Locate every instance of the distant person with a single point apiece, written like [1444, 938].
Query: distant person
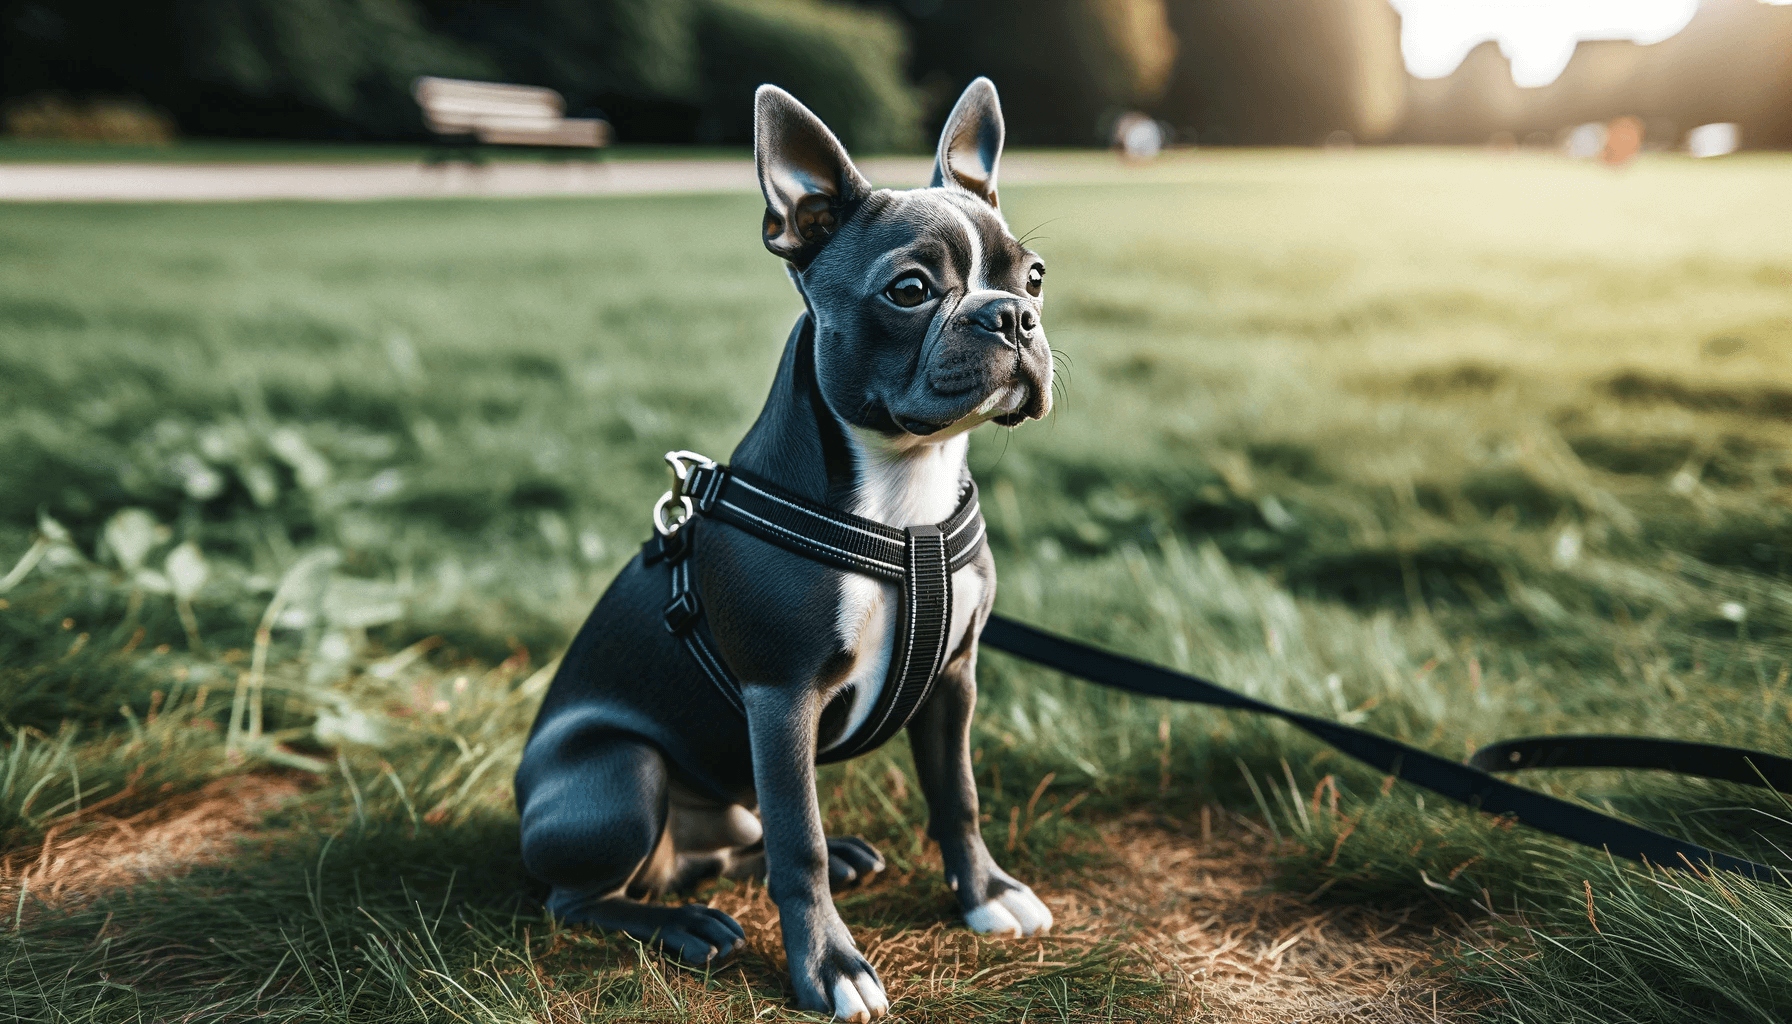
[1623, 141]
[1138, 137]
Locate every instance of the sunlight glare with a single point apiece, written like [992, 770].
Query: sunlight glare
[1537, 36]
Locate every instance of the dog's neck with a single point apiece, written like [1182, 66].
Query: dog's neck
[903, 485]
[799, 443]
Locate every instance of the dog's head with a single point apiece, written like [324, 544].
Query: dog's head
[926, 309]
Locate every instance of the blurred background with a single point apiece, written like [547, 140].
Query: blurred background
[1422, 364]
[884, 72]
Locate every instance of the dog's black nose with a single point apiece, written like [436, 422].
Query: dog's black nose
[1010, 319]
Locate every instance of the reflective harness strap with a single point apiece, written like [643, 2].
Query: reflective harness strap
[824, 534]
[921, 559]
[681, 618]
[926, 626]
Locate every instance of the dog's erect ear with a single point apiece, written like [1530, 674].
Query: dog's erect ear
[808, 180]
[971, 144]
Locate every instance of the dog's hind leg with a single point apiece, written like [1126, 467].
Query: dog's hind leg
[851, 862]
[712, 839]
[594, 826]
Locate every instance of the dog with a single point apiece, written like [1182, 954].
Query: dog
[922, 321]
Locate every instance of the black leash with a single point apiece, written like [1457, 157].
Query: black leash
[1468, 784]
[922, 559]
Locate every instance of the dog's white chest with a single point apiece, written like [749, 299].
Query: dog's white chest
[901, 489]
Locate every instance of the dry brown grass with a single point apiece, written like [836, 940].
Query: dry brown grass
[1196, 900]
[91, 851]
[1188, 904]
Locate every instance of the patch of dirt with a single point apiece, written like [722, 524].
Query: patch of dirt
[1244, 953]
[85, 854]
[1191, 907]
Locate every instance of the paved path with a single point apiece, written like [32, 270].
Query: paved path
[359, 181]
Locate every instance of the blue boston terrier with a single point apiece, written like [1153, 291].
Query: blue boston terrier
[826, 588]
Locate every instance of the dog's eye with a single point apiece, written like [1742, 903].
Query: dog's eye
[1035, 280]
[909, 291]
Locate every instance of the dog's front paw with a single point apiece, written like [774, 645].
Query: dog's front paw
[851, 860]
[838, 979]
[858, 995]
[1012, 909]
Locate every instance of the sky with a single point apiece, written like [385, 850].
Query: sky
[1537, 36]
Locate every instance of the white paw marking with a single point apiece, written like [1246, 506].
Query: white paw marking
[847, 1004]
[1015, 912]
[859, 998]
[1034, 916]
[992, 919]
[873, 993]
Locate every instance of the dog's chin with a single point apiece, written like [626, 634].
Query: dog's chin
[1008, 406]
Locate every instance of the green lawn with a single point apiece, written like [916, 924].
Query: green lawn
[1454, 446]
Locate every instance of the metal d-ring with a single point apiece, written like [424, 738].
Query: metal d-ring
[667, 528]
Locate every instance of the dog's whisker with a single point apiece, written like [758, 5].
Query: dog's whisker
[1007, 435]
[1033, 235]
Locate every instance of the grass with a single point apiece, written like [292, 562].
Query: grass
[1452, 446]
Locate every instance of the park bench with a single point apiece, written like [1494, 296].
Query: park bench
[465, 115]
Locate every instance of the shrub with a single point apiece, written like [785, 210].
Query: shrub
[662, 70]
[844, 64]
[1064, 67]
[127, 122]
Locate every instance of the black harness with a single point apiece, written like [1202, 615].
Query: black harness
[921, 559]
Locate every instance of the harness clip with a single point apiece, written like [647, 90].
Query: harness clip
[667, 527]
[683, 464]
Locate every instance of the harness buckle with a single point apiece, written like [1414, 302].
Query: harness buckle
[682, 612]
